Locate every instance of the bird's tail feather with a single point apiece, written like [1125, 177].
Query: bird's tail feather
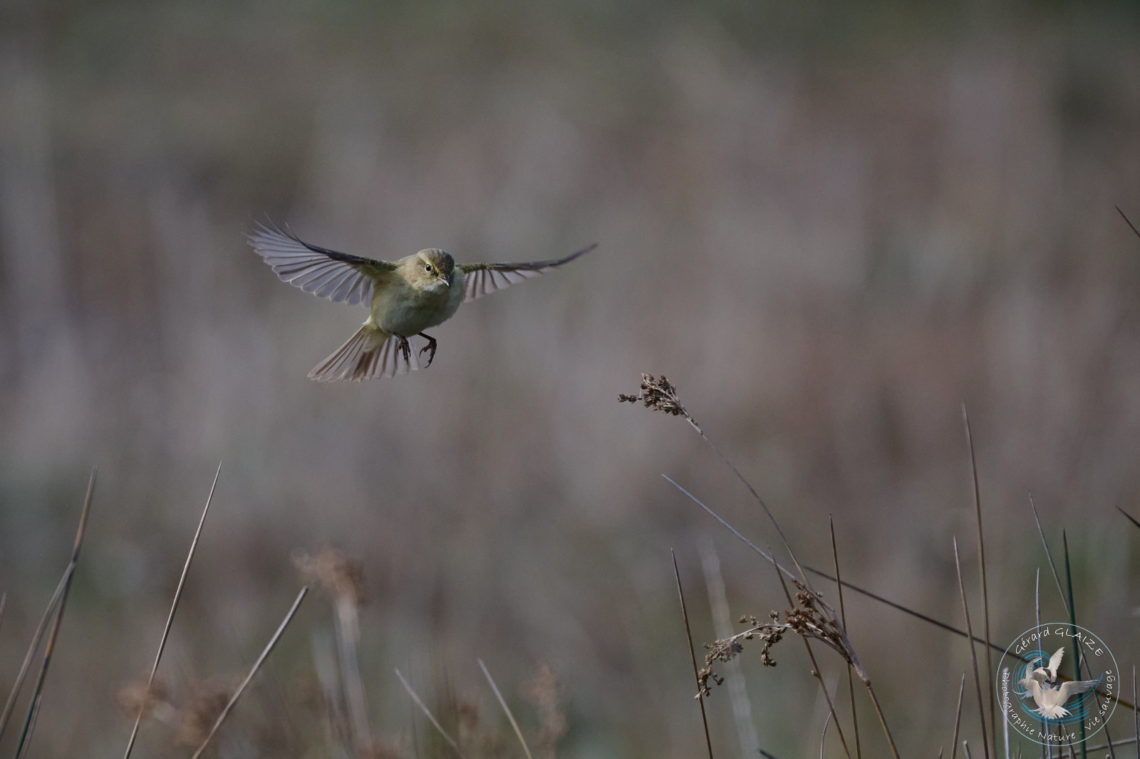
[1051, 711]
[371, 353]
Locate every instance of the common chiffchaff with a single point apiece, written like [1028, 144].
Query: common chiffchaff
[407, 296]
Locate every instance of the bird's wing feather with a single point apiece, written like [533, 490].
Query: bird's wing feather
[1073, 687]
[1055, 662]
[341, 277]
[481, 279]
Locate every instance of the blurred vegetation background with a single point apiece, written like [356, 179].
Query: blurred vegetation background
[829, 225]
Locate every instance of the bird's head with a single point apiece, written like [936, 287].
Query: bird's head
[432, 269]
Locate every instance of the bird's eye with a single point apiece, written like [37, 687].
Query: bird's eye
[427, 268]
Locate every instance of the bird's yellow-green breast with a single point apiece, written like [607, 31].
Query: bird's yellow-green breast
[426, 290]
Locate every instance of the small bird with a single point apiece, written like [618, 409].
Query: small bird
[406, 296]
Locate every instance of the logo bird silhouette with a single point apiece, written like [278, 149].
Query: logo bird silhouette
[1050, 697]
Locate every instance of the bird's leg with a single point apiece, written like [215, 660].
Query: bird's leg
[405, 349]
[429, 348]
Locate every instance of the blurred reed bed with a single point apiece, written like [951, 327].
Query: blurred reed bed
[330, 715]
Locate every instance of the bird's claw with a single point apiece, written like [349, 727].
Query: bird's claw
[405, 350]
[428, 349]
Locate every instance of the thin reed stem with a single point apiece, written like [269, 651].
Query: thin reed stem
[1073, 621]
[1118, 744]
[1129, 517]
[170, 615]
[49, 649]
[33, 646]
[1131, 226]
[431, 717]
[973, 652]
[692, 653]
[985, 588]
[506, 709]
[816, 673]
[823, 736]
[1049, 554]
[958, 718]
[253, 671]
[843, 620]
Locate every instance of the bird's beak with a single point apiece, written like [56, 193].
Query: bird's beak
[447, 280]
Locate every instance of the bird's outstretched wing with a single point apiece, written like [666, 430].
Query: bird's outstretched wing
[481, 279]
[325, 273]
[1074, 687]
[1032, 677]
[1055, 663]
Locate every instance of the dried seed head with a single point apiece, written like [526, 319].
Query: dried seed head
[657, 394]
[809, 618]
[206, 703]
[336, 574]
[133, 698]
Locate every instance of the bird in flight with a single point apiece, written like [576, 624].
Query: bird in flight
[405, 297]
